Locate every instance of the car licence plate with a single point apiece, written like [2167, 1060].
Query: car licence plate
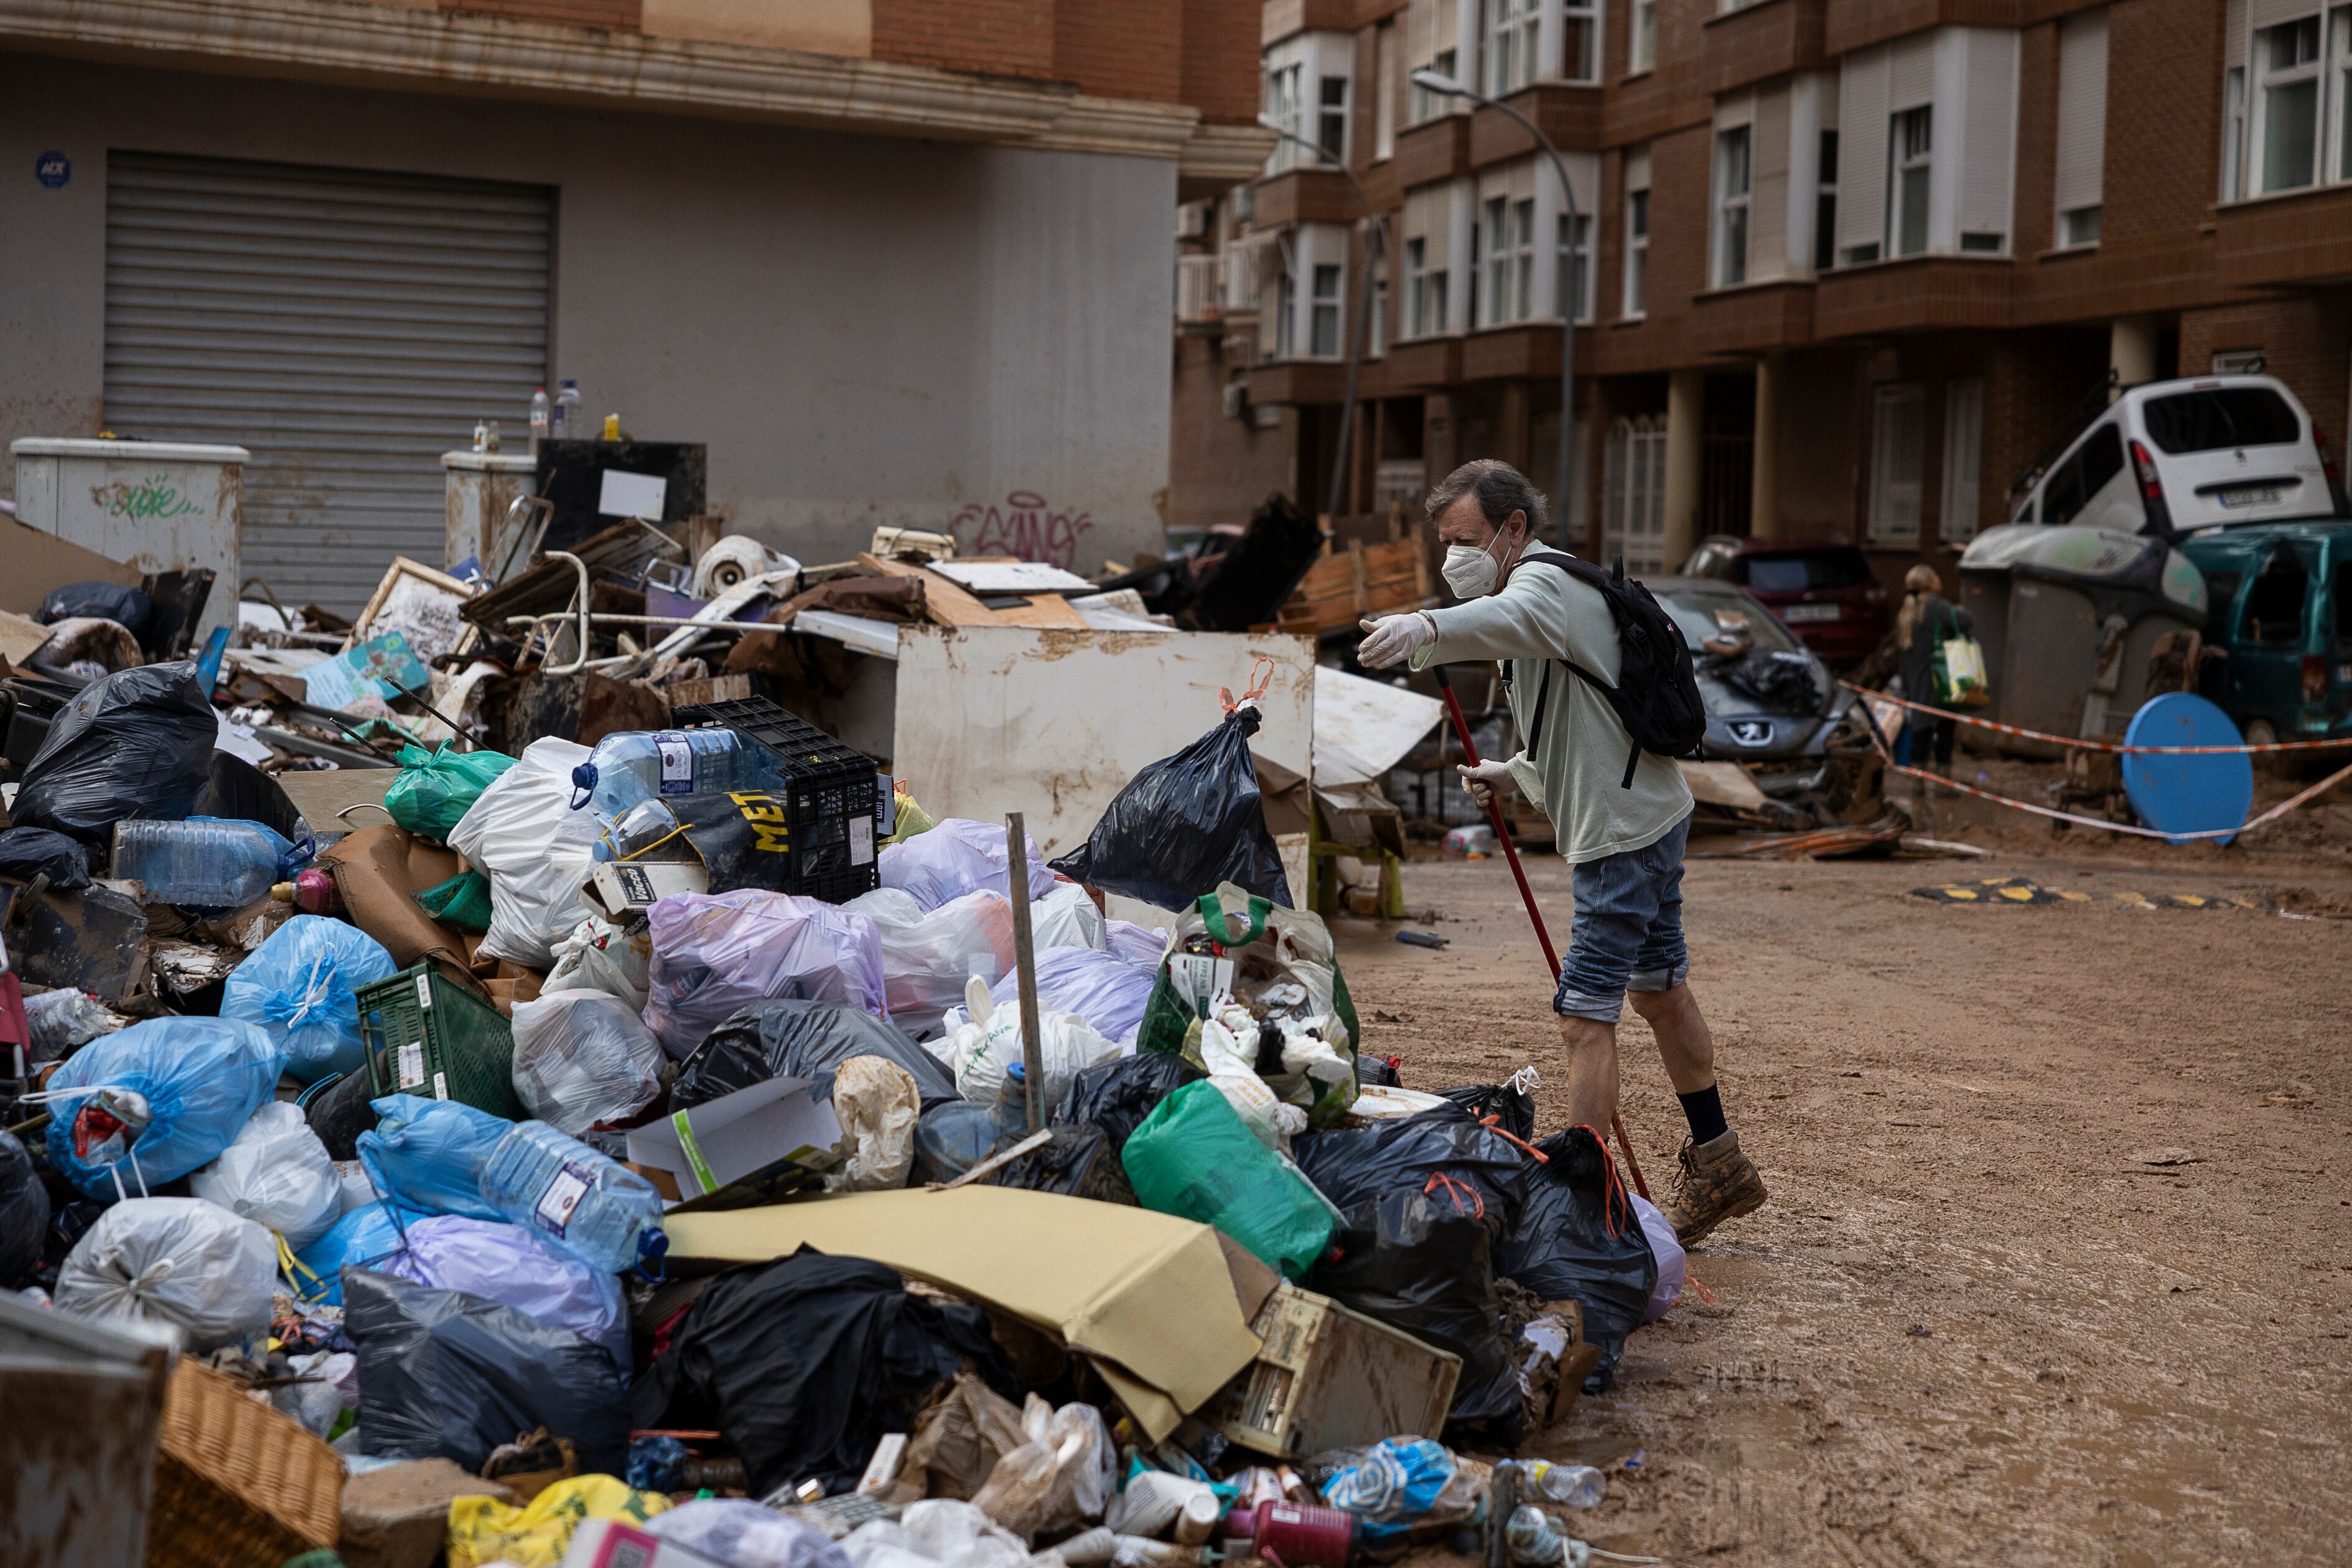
[2248, 495]
[1810, 612]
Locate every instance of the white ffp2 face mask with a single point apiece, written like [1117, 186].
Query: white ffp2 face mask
[1469, 571]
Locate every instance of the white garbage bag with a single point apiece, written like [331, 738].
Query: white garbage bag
[581, 1057]
[523, 835]
[984, 1038]
[600, 956]
[278, 1174]
[1065, 917]
[929, 955]
[877, 1104]
[1673, 1265]
[746, 1534]
[358, 1188]
[178, 1261]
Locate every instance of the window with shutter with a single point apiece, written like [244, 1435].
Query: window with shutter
[2081, 126]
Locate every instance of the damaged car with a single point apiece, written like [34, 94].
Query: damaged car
[1770, 700]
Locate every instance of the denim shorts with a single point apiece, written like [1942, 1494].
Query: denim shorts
[1628, 934]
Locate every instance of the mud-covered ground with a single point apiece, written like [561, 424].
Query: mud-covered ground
[2058, 1265]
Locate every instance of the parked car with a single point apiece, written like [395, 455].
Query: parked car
[2279, 599]
[2170, 456]
[1821, 589]
[1793, 724]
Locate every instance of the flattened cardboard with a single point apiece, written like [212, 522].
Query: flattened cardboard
[1147, 1291]
[741, 1134]
[39, 561]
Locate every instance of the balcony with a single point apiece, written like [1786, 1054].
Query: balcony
[1570, 116]
[1753, 316]
[1425, 362]
[1299, 380]
[1523, 351]
[2272, 240]
[1915, 294]
[1280, 19]
[1849, 24]
[1767, 38]
[1199, 291]
[1306, 195]
[1434, 150]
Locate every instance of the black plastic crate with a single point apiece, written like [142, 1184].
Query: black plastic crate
[835, 801]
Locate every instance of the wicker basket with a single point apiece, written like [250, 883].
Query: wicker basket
[237, 1485]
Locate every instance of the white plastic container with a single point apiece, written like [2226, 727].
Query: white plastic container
[160, 505]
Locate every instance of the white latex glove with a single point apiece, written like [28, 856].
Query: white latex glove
[1394, 639]
[1484, 780]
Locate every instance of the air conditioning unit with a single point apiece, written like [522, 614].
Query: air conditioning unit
[1237, 401]
[1192, 221]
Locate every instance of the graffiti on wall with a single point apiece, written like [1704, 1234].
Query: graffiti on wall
[154, 496]
[1024, 525]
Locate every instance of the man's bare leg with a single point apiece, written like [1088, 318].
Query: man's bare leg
[1718, 1181]
[1590, 1047]
[1685, 1043]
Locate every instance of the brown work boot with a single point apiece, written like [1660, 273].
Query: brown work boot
[1718, 1183]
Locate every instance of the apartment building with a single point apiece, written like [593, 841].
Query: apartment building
[892, 262]
[1837, 268]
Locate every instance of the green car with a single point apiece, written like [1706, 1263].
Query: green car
[2281, 598]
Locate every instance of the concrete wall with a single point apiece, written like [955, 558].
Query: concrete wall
[862, 329]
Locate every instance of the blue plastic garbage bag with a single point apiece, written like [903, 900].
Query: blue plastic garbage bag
[1390, 1487]
[371, 1237]
[1101, 987]
[427, 1154]
[195, 1080]
[301, 986]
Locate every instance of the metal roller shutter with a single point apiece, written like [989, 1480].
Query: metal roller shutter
[347, 326]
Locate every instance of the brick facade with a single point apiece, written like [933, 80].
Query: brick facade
[2173, 266]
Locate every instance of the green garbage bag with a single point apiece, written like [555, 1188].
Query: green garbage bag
[437, 787]
[1194, 1157]
[464, 902]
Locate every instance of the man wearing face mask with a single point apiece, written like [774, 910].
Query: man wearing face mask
[1622, 831]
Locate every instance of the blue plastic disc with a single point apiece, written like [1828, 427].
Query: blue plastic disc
[2187, 795]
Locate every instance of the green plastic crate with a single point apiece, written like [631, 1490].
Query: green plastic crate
[427, 1036]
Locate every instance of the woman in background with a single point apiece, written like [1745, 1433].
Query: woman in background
[1925, 619]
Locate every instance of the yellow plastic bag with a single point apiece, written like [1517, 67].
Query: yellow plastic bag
[537, 1535]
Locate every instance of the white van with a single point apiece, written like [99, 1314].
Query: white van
[2171, 456]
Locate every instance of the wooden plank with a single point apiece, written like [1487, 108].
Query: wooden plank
[951, 605]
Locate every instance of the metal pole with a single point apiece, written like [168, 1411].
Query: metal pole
[1563, 485]
[1373, 249]
[1025, 960]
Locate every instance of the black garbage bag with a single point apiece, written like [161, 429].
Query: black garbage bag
[1440, 1149]
[127, 607]
[448, 1375]
[1376, 1072]
[1779, 682]
[1116, 1096]
[1185, 824]
[1423, 1264]
[138, 743]
[338, 1110]
[1579, 1239]
[25, 852]
[1077, 1162]
[800, 1039]
[806, 1361]
[1515, 1108]
[24, 1213]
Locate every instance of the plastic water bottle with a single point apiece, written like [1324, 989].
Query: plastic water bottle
[1537, 1542]
[571, 424]
[646, 831]
[542, 414]
[204, 863]
[1577, 1486]
[640, 764]
[576, 1198]
[1012, 1116]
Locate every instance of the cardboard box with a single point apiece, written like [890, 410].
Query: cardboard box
[744, 1134]
[628, 888]
[39, 561]
[1147, 1295]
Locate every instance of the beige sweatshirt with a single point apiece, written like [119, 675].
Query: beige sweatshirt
[1576, 775]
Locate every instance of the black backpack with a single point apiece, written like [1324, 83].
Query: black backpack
[1656, 695]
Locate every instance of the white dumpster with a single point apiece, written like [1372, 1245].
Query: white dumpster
[162, 506]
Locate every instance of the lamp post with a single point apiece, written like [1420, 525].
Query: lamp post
[1562, 487]
[1336, 496]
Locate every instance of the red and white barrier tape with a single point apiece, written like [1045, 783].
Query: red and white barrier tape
[2133, 828]
[2083, 745]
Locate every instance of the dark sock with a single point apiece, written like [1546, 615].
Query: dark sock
[1704, 1111]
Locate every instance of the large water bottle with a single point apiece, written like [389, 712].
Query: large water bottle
[570, 424]
[648, 830]
[575, 1198]
[640, 764]
[204, 863]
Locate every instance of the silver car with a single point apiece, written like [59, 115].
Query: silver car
[1774, 702]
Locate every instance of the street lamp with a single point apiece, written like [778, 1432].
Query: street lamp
[1562, 488]
[1336, 497]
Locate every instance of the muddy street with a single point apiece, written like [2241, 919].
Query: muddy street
[2058, 1265]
